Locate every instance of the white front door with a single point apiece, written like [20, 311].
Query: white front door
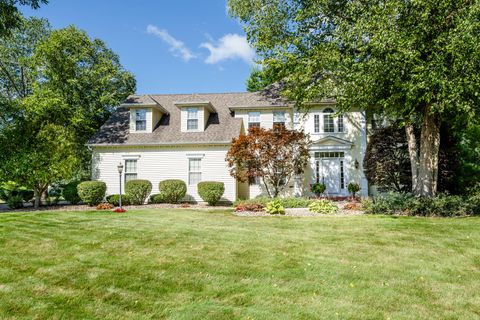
[331, 175]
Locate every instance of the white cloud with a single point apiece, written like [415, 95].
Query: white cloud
[177, 47]
[229, 47]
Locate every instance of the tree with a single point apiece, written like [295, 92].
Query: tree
[10, 16]
[415, 60]
[386, 162]
[273, 156]
[259, 79]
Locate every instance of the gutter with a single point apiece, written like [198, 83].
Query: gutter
[153, 144]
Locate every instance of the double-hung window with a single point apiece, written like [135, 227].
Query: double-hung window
[194, 171]
[140, 120]
[192, 119]
[328, 125]
[340, 123]
[279, 119]
[130, 170]
[316, 123]
[254, 119]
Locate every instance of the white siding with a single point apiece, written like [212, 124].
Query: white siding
[161, 163]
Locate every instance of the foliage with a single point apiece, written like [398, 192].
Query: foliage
[172, 191]
[323, 206]
[275, 207]
[260, 79]
[287, 202]
[92, 192]
[10, 15]
[105, 206]
[114, 199]
[318, 188]
[211, 191]
[54, 193]
[119, 210]
[249, 206]
[386, 162]
[420, 67]
[356, 206]
[12, 189]
[156, 198]
[353, 188]
[138, 190]
[15, 201]
[273, 155]
[406, 204]
[70, 192]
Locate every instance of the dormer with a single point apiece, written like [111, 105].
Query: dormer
[194, 115]
[145, 113]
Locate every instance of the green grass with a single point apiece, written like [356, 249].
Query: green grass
[182, 264]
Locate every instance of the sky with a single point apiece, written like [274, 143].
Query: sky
[171, 46]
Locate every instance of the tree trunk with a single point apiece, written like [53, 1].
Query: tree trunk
[38, 191]
[428, 160]
[413, 153]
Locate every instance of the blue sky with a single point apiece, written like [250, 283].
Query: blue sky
[180, 46]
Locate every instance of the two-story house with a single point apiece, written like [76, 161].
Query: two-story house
[187, 136]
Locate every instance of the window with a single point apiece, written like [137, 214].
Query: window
[140, 120]
[194, 171]
[342, 176]
[316, 123]
[328, 120]
[192, 119]
[130, 170]
[317, 171]
[254, 181]
[340, 123]
[329, 154]
[279, 118]
[254, 119]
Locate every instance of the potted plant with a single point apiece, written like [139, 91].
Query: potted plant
[318, 189]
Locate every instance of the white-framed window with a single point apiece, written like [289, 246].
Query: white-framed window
[192, 119]
[130, 170]
[279, 118]
[340, 125]
[140, 120]
[254, 119]
[328, 124]
[194, 171]
[316, 123]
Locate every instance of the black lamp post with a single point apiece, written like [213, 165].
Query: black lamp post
[120, 170]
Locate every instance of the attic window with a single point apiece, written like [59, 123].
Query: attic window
[192, 119]
[140, 120]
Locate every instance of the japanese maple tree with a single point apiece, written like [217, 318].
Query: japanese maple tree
[272, 155]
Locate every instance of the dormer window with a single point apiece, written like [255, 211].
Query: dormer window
[192, 119]
[141, 120]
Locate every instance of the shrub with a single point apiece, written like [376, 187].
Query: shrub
[172, 191]
[255, 207]
[104, 206]
[275, 207]
[156, 198]
[323, 206]
[318, 188]
[353, 188]
[292, 202]
[12, 189]
[15, 202]
[114, 199]
[92, 192]
[211, 191]
[261, 200]
[353, 206]
[138, 190]
[70, 192]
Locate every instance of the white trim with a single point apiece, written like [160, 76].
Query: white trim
[195, 155]
[131, 157]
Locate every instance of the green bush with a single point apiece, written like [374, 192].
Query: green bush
[323, 206]
[211, 191]
[138, 190]
[275, 207]
[15, 202]
[92, 192]
[318, 188]
[156, 198]
[172, 191]
[292, 202]
[27, 195]
[114, 199]
[353, 188]
[70, 192]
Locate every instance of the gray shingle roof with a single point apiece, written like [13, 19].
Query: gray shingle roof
[221, 127]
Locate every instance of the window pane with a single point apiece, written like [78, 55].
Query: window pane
[279, 116]
[140, 125]
[192, 113]
[192, 124]
[130, 176]
[194, 165]
[316, 120]
[141, 114]
[340, 123]
[328, 123]
[130, 166]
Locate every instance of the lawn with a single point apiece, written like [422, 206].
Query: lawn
[182, 264]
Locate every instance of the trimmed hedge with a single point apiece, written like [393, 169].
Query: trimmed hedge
[211, 191]
[70, 192]
[114, 199]
[138, 190]
[92, 192]
[172, 191]
[156, 198]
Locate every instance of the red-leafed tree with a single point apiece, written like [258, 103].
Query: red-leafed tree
[274, 156]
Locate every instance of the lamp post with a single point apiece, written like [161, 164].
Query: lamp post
[120, 170]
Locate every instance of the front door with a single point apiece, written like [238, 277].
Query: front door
[331, 175]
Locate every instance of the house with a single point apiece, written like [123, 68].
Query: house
[187, 136]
